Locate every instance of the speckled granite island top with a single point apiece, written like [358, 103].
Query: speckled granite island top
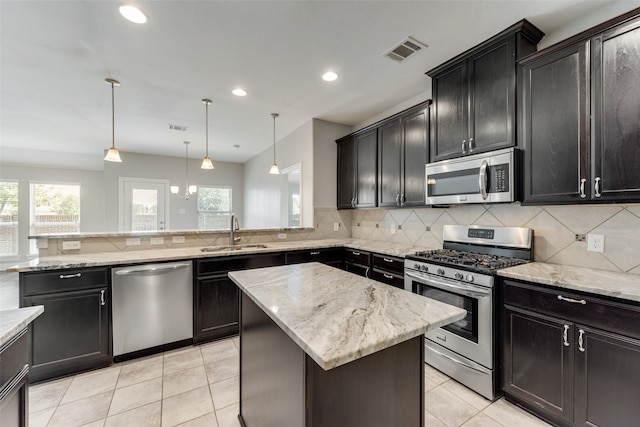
[337, 317]
[607, 283]
[13, 321]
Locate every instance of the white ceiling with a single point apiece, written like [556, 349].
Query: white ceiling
[55, 56]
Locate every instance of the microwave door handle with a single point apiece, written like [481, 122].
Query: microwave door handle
[482, 180]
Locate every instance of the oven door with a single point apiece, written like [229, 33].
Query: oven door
[470, 337]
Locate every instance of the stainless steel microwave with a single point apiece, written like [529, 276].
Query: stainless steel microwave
[480, 178]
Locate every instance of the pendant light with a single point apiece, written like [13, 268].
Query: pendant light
[274, 167]
[189, 190]
[113, 155]
[206, 162]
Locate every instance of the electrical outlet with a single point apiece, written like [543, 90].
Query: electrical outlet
[70, 245]
[282, 236]
[595, 242]
[132, 241]
[177, 239]
[156, 241]
[393, 229]
[336, 226]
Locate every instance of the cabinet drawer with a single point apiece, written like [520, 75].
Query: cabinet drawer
[314, 255]
[357, 256]
[62, 280]
[238, 262]
[360, 270]
[388, 278]
[389, 263]
[13, 356]
[613, 316]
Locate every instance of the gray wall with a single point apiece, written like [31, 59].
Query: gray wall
[325, 161]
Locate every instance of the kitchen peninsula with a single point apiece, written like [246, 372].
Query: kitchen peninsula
[323, 347]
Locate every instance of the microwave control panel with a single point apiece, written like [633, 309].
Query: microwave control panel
[499, 178]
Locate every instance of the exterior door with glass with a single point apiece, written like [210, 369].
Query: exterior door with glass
[144, 205]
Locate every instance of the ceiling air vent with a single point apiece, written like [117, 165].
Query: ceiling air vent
[177, 127]
[405, 49]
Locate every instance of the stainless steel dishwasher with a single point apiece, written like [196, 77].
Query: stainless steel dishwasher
[152, 305]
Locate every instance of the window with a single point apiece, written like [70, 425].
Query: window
[8, 218]
[214, 208]
[55, 208]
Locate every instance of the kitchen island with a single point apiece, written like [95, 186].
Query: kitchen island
[323, 347]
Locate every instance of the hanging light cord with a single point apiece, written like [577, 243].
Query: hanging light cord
[113, 117]
[206, 118]
[274, 115]
[186, 168]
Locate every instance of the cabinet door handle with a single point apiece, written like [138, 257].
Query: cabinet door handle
[580, 341]
[464, 148]
[575, 301]
[366, 273]
[398, 199]
[402, 199]
[565, 339]
[470, 145]
[102, 301]
[315, 253]
[582, 193]
[597, 187]
[388, 276]
[70, 276]
[387, 259]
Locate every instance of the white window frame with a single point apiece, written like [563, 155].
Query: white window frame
[16, 254]
[229, 212]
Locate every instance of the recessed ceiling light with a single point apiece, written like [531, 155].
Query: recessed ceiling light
[236, 146]
[329, 76]
[133, 14]
[239, 92]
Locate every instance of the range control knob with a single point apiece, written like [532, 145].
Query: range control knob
[425, 268]
[416, 266]
[469, 278]
[440, 271]
[459, 275]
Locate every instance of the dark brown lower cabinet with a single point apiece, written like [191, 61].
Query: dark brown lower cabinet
[14, 394]
[573, 359]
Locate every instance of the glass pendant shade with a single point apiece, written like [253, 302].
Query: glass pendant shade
[206, 163]
[113, 155]
[274, 170]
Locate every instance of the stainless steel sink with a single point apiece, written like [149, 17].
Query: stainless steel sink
[233, 248]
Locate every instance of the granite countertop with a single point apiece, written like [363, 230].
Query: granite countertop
[598, 282]
[169, 254]
[13, 321]
[337, 317]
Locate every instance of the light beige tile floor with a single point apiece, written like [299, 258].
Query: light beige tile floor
[198, 386]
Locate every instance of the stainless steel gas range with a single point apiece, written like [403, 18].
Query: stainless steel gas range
[463, 274]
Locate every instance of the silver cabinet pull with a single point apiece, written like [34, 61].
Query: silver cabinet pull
[315, 253]
[366, 273]
[482, 180]
[464, 148]
[398, 199]
[102, 301]
[597, 188]
[575, 301]
[580, 341]
[402, 199]
[565, 339]
[355, 253]
[388, 276]
[470, 145]
[387, 259]
[582, 193]
[70, 276]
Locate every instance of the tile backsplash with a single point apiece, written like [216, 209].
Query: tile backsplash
[555, 229]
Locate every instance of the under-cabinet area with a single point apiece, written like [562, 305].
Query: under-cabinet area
[571, 358]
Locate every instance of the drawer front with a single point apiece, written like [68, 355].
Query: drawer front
[613, 316]
[240, 262]
[314, 255]
[13, 356]
[62, 280]
[388, 278]
[357, 256]
[389, 263]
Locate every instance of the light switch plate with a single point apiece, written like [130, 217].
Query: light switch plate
[177, 239]
[595, 242]
[156, 241]
[70, 245]
[132, 241]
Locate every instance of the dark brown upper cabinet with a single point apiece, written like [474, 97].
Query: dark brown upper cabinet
[474, 95]
[580, 126]
[357, 170]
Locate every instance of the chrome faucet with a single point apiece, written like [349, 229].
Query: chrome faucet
[234, 226]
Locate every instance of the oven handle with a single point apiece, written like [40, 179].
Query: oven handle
[468, 290]
[482, 180]
[457, 362]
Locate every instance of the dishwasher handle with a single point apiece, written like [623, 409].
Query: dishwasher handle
[151, 270]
